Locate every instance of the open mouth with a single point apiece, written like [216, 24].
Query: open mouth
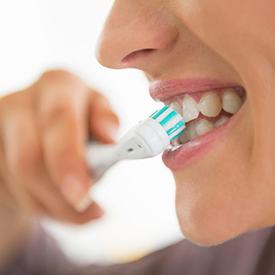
[207, 110]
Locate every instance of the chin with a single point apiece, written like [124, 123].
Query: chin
[207, 226]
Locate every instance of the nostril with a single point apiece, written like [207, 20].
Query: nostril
[136, 54]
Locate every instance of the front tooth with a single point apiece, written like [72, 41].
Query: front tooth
[210, 104]
[190, 130]
[231, 101]
[177, 107]
[189, 108]
[222, 120]
[203, 126]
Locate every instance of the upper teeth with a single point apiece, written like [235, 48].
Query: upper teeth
[231, 101]
[177, 107]
[189, 108]
[210, 104]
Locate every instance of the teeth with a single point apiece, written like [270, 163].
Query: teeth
[175, 143]
[190, 131]
[198, 128]
[203, 126]
[231, 101]
[184, 138]
[195, 129]
[177, 107]
[189, 108]
[222, 120]
[210, 104]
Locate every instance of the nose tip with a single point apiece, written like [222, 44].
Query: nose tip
[115, 52]
[129, 37]
[108, 52]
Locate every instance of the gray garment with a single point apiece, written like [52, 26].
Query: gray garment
[249, 254]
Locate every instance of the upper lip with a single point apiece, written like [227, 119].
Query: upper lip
[167, 89]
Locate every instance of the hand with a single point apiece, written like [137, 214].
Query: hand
[44, 129]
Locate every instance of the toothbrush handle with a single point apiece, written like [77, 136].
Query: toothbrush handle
[142, 141]
[101, 157]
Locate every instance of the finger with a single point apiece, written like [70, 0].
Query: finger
[62, 114]
[29, 178]
[104, 123]
[93, 212]
[54, 203]
[57, 207]
[12, 163]
[16, 193]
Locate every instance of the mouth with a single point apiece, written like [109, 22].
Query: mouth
[209, 109]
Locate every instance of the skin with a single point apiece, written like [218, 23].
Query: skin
[217, 198]
[43, 173]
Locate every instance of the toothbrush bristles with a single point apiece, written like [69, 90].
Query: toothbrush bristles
[171, 121]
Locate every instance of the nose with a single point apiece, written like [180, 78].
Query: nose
[134, 34]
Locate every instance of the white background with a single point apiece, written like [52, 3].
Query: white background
[138, 196]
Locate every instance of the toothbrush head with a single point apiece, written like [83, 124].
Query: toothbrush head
[153, 135]
[171, 121]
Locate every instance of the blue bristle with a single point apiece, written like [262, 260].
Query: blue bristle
[168, 118]
[158, 113]
[177, 136]
[172, 130]
[177, 130]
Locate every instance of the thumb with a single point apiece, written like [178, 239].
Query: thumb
[104, 123]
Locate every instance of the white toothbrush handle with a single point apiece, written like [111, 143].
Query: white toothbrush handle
[101, 157]
[145, 140]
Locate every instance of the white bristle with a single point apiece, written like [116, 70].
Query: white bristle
[171, 122]
[164, 114]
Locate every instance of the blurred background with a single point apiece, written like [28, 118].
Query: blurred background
[138, 196]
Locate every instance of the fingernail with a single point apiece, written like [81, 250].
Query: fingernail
[111, 129]
[84, 203]
[72, 189]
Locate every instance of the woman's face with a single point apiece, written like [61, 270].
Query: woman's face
[209, 50]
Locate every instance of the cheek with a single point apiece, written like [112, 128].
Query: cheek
[232, 190]
[221, 197]
[226, 26]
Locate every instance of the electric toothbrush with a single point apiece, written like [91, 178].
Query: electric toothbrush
[147, 139]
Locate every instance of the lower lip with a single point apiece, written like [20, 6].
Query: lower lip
[193, 150]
